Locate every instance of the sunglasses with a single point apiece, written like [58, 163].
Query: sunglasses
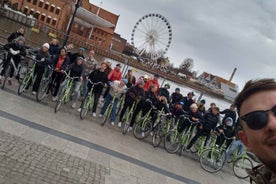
[257, 120]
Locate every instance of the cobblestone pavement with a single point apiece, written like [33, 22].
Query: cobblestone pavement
[41, 146]
[23, 161]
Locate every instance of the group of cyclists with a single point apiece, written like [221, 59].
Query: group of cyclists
[56, 62]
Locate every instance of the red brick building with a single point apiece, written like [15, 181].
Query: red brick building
[92, 24]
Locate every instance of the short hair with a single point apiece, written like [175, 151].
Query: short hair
[193, 106]
[216, 108]
[252, 87]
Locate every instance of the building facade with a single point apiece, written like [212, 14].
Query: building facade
[92, 24]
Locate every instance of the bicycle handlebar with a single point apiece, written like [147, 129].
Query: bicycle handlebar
[95, 83]
[68, 76]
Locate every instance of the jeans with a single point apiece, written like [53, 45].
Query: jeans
[237, 144]
[75, 92]
[84, 87]
[107, 101]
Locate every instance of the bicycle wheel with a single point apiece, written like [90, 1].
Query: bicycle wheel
[142, 129]
[211, 160]
[22, 72]
[125, 128]
[171, 142]
[126, 117]
[85, 107]
[6, 76]
[157, 136]
[240, 166]
[107, 114]
[42, 90]
[24, 83]
[58, 105]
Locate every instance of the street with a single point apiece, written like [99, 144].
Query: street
[40, 146]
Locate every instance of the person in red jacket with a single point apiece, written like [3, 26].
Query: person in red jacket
[115, 74]
[152, 82]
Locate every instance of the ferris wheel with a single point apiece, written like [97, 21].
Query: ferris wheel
[151, 36]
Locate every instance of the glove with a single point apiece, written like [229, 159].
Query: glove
[14, 52]
[42, 60]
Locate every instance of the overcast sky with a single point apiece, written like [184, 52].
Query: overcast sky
[218, 34]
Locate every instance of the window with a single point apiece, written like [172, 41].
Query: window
[57, 10]
[36, 15]
[35, 2]
[32, 12]
[25, 11]
[54, 22]
[48, 20]
[46, 6]
[40, 4]
[42, 18]
[52, 8]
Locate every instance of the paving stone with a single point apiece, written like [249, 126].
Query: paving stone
[23, 162]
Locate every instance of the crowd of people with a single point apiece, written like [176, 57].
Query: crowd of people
[147, 94]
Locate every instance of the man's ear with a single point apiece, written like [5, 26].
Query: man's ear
[243, 138]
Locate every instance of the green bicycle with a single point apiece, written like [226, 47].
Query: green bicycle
[127, 117]
[143, 126]
[108, 111]
[212, 159]
[173, 137]
[161, 129]
[66, 91]
[88, 101]
[241, 162]
[29, 78]
[44, 85]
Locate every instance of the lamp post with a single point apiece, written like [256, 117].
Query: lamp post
[77, 5]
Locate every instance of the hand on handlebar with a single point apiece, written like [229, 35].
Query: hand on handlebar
[14, 52]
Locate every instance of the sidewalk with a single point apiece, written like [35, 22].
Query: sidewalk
[118, 159]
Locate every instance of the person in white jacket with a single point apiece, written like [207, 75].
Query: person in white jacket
[118, 88]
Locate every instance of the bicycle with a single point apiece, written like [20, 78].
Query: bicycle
[44, 85]
[120, 104]
[173, 137]
[88, 102]
[19, 71]
[212, 159]
[162, 128]
[127, 117]
[29, 78]
[241, 162]
[66, 91]
[108, 111]
[143, 126]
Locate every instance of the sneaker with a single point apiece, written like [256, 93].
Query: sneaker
[112, 123]
[151, 133]
[187, 150]
[100, 115]
[79, 109]
[120, 124]
[9, 82]
[129, 129]
[34, 92]
[54, 98]
[74, 105]
[94, 114]
[143, 134]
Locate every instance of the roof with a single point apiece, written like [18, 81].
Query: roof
[91, 18]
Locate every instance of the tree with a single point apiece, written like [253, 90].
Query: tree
[186, 66]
